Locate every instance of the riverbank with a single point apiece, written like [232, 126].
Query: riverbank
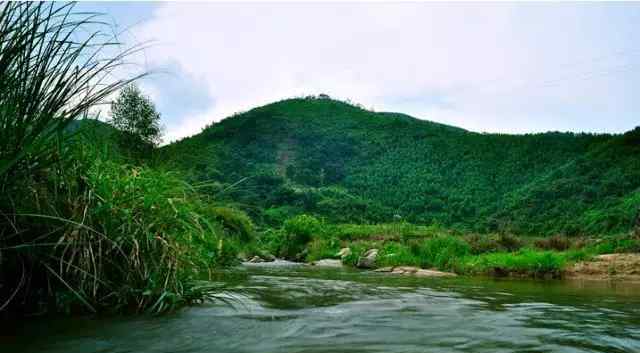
[307, 239]
[619, 267]
[623, 268]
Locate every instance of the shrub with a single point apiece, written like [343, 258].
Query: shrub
[396, 254]
[441, 252]
[483, 243]
[619, 244]
[235, 222]
[57, 64]
[292, 239]
[116, 237]
[522, 263]
[302, 228]
[509, 242]
[323, 248]
[357, 250]
[556, 242]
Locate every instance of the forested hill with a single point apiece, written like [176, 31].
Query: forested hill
[348, 164]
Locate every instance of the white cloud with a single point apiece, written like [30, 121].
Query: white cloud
[484, 67]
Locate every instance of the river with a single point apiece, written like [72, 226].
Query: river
[283, 309]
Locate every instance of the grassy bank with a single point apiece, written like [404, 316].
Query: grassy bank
[305, 238]
[82, 226]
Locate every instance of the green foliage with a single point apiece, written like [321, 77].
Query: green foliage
[525, 263]
[300, 229]
[348, 165]
[397, 254]
[135, 116]
[441, 252]
[57, 64]
[357, 249]
[323, 248]
[616, 244]
[292, 240]
[49, 78]
[235, 222]
[556, 242]
[110, 236]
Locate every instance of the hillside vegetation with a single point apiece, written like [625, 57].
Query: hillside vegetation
[343, 163]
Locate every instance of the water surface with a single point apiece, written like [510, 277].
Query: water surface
[300, 309]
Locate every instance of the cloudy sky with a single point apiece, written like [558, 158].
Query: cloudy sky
[497, 67]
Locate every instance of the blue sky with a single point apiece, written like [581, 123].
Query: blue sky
[498, 67]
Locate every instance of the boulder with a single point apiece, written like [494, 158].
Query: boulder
[433, 273]
[327, 263]
[405, 270]
[414, 271]
[368, 260]
[256, 260]
[384, 269]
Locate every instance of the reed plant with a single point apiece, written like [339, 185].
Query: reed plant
[79, 228]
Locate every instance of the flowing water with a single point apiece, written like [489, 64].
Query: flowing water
[301, 309]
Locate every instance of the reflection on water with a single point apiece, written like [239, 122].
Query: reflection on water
[298, 309]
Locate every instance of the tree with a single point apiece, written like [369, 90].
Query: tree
[135, 115]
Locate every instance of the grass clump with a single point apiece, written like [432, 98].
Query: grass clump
[524, 263]
[556, 242]
[234, 222]
[441, 252]
[616, 244]
[397, 254]
[115, 237]
[292, 240]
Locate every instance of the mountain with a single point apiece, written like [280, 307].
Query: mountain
[347, 164]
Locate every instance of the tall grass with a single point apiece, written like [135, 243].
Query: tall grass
[105, 235]
[53, 69]
[78, 228]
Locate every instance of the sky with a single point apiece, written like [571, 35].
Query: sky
[486, 67]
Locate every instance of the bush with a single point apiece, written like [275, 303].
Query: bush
[323, 248]
[302, 228]
[108, 236]
[290, 242]
[396, 254]
[483, 243]
[620, 244]
[522, 263]
[357, 250]
[235, 222]
[509, 242]
[441, 252]
[556, 242]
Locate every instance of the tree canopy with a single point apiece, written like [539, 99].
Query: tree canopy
[135, 115]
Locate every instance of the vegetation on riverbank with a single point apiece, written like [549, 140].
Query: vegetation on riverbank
[98, 218]
[82, 226]
[305, 238]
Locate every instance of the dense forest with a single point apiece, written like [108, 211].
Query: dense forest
[343, 163]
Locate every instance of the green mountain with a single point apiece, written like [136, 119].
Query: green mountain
[348, 164]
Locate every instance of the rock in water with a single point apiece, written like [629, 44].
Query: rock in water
[414, 271]
[368, 260]
[327, 263]
[256, 259]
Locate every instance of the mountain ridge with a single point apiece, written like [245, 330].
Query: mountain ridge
[355, 165]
